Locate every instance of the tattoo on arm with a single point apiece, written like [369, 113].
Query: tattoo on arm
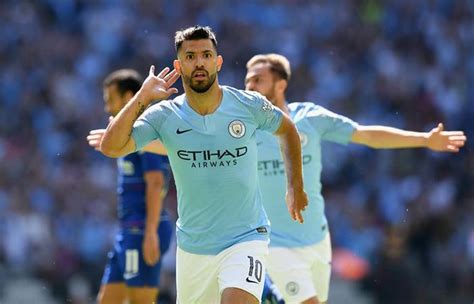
[141, 109]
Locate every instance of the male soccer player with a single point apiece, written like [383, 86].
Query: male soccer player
[133, 269]
[209, 133]
[307, 246]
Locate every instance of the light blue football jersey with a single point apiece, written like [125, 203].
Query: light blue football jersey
[214, 163]
[314, 124]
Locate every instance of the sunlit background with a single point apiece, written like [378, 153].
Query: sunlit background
[402, 222]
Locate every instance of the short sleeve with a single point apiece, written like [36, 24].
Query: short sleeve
[267, 115]
[332, 127]
[146, 128]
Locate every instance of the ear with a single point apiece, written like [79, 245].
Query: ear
[177, 66]
[220, 61]
[281, 85]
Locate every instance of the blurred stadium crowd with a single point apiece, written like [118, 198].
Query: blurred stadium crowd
[403, 63]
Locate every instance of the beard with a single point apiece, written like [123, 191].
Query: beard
[269, 94]
[200, 86]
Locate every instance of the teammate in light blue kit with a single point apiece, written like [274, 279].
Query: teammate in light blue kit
[209, 133]
[133, 269]
[307, 246]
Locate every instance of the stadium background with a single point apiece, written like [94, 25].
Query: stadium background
[409, 64]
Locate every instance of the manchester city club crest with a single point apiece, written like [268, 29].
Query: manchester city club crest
[303, 138]
[292, 288]
[236, 129]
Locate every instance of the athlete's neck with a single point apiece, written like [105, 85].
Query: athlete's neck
[280, 102]
[204, 103]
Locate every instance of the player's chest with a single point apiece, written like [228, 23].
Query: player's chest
[211, 131]
[309, 137]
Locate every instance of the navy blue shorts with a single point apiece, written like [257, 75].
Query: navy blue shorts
[125, 262]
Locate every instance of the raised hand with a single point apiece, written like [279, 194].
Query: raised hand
[159, 87]
[296, 201]
[445, 141]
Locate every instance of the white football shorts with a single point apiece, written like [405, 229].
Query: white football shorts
[202, 278]
[301, 273]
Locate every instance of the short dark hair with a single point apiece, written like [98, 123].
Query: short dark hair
[125, 79]
[194, 33]
[279, 64]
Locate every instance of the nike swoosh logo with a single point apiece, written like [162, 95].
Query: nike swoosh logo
[128, 276]
[251, 281]
[178, 131]
[259, 143]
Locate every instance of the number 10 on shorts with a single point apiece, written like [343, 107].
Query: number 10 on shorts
[255, 271]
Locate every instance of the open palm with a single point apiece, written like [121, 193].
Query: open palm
[159, 87]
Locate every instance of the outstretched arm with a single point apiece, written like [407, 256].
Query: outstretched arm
[117, 140]
[290, 145]
[381, 137]
[95, 137]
